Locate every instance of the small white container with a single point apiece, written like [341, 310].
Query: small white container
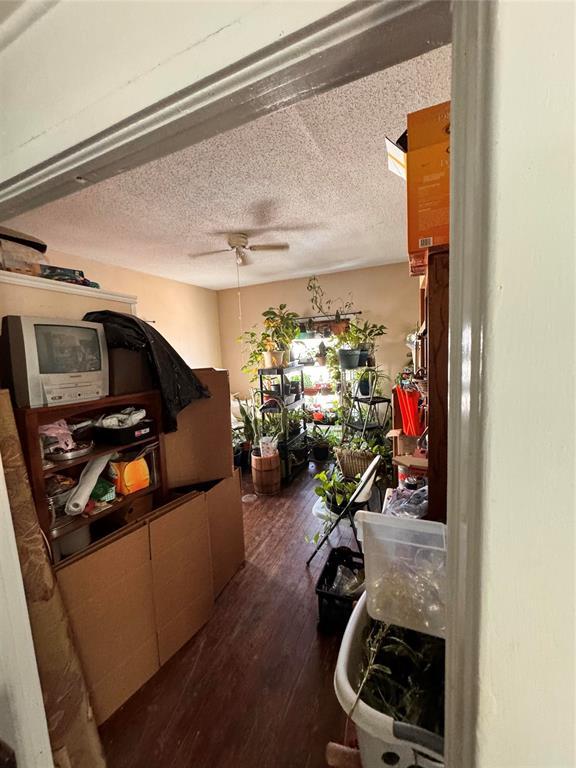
[405, 561]
[381, 739]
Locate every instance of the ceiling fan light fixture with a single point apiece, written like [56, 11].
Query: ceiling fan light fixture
[239, 256]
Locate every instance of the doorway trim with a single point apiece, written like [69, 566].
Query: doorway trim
[474, 24]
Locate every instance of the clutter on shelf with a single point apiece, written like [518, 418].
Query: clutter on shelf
[26, 255]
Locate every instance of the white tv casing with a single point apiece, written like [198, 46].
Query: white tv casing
[34, 389]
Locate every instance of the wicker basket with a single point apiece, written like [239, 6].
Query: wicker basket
[353, 462]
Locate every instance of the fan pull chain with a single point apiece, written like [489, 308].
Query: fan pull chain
[239, 297]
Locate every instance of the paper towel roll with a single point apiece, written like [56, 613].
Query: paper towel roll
[79, 497]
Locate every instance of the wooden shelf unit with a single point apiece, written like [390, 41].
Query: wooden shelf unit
[30, 419]
[432, 355]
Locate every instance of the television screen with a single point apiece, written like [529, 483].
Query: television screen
[67, 349]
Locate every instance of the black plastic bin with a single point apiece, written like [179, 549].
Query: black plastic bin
[334, 610]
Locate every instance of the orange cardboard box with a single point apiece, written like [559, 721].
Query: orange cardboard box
[428, 178]
[429, 126]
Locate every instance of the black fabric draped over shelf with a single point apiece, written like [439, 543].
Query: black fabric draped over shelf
[177, 382]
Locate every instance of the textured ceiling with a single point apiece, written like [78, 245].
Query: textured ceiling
[313, 175]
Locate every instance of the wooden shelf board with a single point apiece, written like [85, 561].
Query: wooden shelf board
[279, 371]
[411, 462]
[99, 450]
[73, 523]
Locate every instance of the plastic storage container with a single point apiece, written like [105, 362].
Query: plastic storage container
[382, 740]
[335, 609]
[405, 563]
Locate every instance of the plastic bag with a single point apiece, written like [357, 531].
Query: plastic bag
[408, 503]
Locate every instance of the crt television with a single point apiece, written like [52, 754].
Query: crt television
[48, 361]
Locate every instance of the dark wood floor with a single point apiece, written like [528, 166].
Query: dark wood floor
[254, 688]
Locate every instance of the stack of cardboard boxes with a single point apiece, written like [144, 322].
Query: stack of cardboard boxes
[428, 182]
[421, 156]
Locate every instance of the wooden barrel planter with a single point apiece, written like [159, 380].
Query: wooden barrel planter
[266, 474]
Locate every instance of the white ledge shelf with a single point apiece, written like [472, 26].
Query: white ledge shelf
[42, 283]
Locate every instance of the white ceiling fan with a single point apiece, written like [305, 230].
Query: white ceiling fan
[238, 243]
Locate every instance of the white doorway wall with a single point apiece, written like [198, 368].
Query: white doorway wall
[512, 674]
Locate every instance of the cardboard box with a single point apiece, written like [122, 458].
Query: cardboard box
[181, 573]
[109, 599]
[428, 178]
[129, 371]
[201, 449]
[429, 126]
[226, 530]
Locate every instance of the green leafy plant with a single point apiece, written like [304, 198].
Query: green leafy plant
[367, 333]
[281, 326]
[325, 306]
[350, 338]
[251, 419]
[333, 489]
[375, 445]
[333, 364]
[255, 343]
[402, 675]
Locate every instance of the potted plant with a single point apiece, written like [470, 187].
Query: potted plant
[258, 344]
[321, 354]
[334, 490]
[252, 428]
[355, 455]
[326, 307]
[366, 334]
[238, 441]
[322, 443]
[348, 346]
[281, 327]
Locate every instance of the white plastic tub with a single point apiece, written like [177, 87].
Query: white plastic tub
[382, 740]
[405, 571]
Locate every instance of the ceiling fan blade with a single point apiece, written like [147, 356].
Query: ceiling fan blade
[269, 247]
[209, 253]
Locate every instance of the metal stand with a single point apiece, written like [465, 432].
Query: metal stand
[358, 498]
[364, 415]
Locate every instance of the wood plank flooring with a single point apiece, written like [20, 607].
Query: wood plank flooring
[254, 688]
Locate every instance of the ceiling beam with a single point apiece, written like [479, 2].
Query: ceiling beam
[354, 42]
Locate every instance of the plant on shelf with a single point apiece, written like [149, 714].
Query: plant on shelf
[281, 327]
[365, 335]
[324, 306]
[333, 365]
[270, 347]
[294, 423]
[348, 343]
[256, 344]
[321, 354]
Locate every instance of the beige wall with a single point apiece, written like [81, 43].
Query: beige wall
[185, 314]
[384, 294]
